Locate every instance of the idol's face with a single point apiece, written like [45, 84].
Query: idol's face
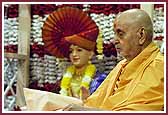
[79, 56]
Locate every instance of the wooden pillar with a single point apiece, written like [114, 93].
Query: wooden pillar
[148, 8]
[23, 49]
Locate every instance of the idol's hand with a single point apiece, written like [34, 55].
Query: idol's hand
[85, 93]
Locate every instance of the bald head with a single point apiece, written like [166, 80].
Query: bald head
[137, 18]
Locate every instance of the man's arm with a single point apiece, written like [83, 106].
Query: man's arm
[74, 107]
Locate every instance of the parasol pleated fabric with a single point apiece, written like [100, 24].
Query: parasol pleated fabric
[67, 26]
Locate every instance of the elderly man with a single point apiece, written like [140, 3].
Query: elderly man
[137, 82]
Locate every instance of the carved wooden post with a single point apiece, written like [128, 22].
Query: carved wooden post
[23, 49]
[148, 8]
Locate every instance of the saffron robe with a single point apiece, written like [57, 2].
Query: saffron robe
[140, 87]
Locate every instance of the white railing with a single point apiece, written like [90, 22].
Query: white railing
[10, 78]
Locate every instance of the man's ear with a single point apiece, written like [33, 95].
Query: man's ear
[142, 36]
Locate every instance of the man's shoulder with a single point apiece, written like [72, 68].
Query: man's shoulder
[159, 57]
[158, 63]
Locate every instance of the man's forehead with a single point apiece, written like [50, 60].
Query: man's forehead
[119, 24]
[125, 21]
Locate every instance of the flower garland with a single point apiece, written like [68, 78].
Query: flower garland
[67, 77]
[99, 45]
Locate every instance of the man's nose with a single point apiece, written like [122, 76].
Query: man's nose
[116, 40]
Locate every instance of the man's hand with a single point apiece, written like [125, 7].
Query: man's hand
[73, 107]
